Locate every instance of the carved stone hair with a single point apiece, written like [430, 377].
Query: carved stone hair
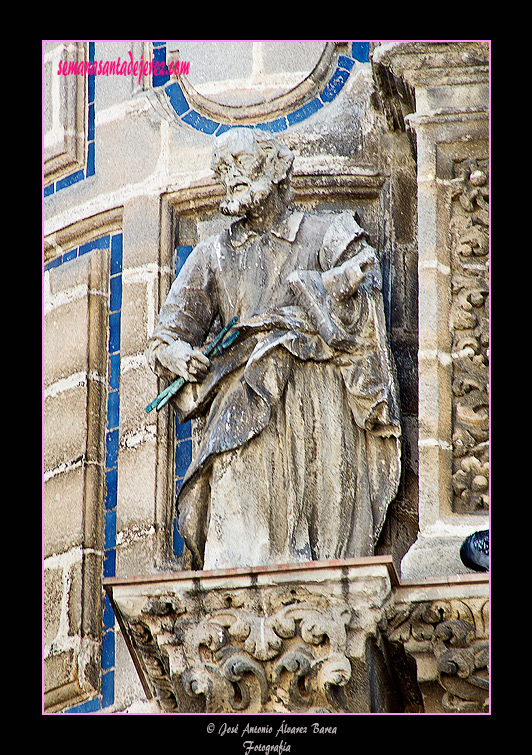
[279, 157]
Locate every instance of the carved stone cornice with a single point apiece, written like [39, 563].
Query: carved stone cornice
[401, 68]
[310, 179]
[427, 80]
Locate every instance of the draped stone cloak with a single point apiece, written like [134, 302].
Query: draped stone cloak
[299, 456]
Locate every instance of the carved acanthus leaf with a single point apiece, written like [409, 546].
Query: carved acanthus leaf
[469, 326]
[234, 658]
[455, 631]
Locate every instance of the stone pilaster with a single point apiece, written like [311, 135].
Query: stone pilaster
[438, 93]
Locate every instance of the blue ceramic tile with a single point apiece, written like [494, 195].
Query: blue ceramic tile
[114, 332]
[108, 689]
[70, 180]
[100, 243]
[111, 454]
[227, 127]
[183, 431]
[113, 407]
[90, 159]
[222, 128]
[54, 263]
[183, 457]
[200, 123]
[108, 650]
[90, 87]
[49, 190]
[109, 563]
[116, 254]
[110, 530]
[90, 129]
[334, 85]
[115, 300]
[177, 98]
[360, 51]
[280, 124]
[345, 62]
[304, 111]
[114, 372]
[108, 613]
[182, 253]
[159, 56]
[177, 541]
[91, 706]
[72, 254]
[111, 487]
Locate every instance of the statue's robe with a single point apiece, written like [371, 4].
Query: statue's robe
[300, 452]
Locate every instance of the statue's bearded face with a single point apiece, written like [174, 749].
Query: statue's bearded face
[244, 169]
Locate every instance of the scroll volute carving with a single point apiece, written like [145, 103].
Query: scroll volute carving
[455, 633]
[296, 656]
[236, 659]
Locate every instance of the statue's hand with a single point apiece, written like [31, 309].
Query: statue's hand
[183, 360]
[343, 281]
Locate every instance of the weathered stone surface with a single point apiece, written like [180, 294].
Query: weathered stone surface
[391, 147]
[438, 94]
[444, 626]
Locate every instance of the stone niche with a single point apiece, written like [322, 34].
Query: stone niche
[321, 637]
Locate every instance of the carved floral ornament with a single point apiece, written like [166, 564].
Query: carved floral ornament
[469, 324]
[291, 651]
[235, 659]
[456, 631]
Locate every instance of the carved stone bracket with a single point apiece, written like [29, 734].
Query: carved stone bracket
[295, 655]
[287, 641]
[449, 640]
[323, 637]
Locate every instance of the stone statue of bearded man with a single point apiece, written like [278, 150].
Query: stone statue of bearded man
[300, 452]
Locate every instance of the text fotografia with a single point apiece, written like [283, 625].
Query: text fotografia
[250, 745]
[123, 67]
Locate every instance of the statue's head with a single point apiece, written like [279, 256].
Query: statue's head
[251, 164]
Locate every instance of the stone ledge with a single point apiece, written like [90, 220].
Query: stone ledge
[436, 552]
[183, 576]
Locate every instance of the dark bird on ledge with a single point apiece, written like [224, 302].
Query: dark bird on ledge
[475, 551]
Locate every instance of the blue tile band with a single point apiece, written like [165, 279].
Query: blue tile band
[360, 51]
[178, 100]
[181, 106]
[183, 432]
